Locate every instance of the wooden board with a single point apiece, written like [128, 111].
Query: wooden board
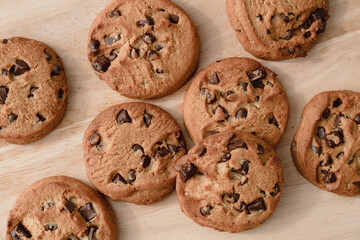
[304, 212]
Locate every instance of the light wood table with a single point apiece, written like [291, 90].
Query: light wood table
[304, 212]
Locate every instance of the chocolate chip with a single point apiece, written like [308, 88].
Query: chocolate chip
[187, 171]
[214, 79]
[132, 176]
[173, 149]
[20, 229]
[243, 86]
[329, 178]
[3, 94]
[334, 135]
[259, 17]
[337, 103]
[326, 113]
[147, 119]
[318, 14]
[123, 117]
[307, 34]
[145, 161]
[159, 70]
[231, 197]
[4, 72]
[137, 147]
[152, 53]
[241, 207]
[287, 17]
[94, 45]
[338, 120]
[257, 74]
[268, 31]
[350, 161]
[270, 84]
[48, 57]
[241, 113]
[118, 178]
[40, 118]
[274, 122]
[356, 184]
[50, 227]
[94, 139]
[328, 161]
[115, 13]
[201, 152]
[226, 95]
[223, 110]
[212, 132]
[60, 93]
[322, 27]
[236, 144]
[321, 133]
[205, 211]
[69, 205]
[317, 150]
[260, 149]
[225, 156]
[4, 41]
[162, 152]
[110, 40]
[244, 169]
[56, 70]
[288, 35]
[112, 56]
[133, 52]
[148, 38]
[357, 118]
[258, 84]
[340, 155]
[101, 64]
[174, 18]
[32, 90]
[20, 67]
[256, 206]
[144, 22]
[87, 211]
[210, 98]
[12, 117]
[159, 47]
[276, 190]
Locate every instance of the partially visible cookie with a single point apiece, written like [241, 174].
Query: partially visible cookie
[326, 146]
[61, 208]
[236, 93]
[231, 181]
[143, 48]
[130, 151]
[275, 30]
[33, 90]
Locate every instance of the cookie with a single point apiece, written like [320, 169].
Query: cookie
[275, 30]
[230, 181]
[143, 48]
[61, 208]
[326, 146]
[130, 150]
[236, 93]
[33, 90]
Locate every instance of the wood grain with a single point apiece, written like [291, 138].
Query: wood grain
[304, 212]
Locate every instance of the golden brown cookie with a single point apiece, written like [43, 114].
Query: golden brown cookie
[236, 93]
[230, 181]
[130, 150]
[61, 208]
[326, 146]
[143, 48]
[280, 29]
[33, 90]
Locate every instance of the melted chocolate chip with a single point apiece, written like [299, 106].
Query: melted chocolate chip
[329, 178]
[132, 176]
[20, 230]
[145, 161]
[148, 38]
[48, 57]
[123, 117]
[174, 18]
[326, 113]
[40, 118]
[321, 133]
[257, 74]
[3, 94]
[20, 67]
[260, 149]
[241, 113]
[147, 119]
[115, 13]
[94, 139]
[337, 103]
[202, 151]
[50, 227]
[256, 206]
[187, 171]
[69, 206]
[118, 178]
[206, 211]
[12, 117]
[214, 79]
[94, 45]
[236, 144]
[101, 64]
[225, 156]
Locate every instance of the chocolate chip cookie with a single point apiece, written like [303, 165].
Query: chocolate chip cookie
[61, 208]
[33, 90]
[236, 93]
[275, 30]
[130, 150]
[326, 146]
[230, 181]
[143, 48]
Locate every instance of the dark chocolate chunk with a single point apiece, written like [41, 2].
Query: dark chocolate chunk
[210, 98]
[307, 34]
[162, 152]
[337, 103]
[256, 206]
[148, 38]
[274, 122]
[12, 117]
[70, 206]
[94, 139]
[123, 117]
[50, 227]
[259, 17]
[187, 171]
[328, 161]
[334, 135]
[318, 14]
[87, 211]
[214, 79]
[20, 67]
[241, 207]
[173, 149]
[236, 144]
[60, 93]
[112, 56]
[356, 184]
[326, 113]
[159, 70]
[357, 118]
[94, 45]
[338, 120]
[340, 155]
[276, 190]
[260, 149]
[101, 64]
[132, 176]
[226, 95]
[205, 211]
[329, 178]
[244, 169]
[317, 150]
[147, 119]
[21, 230]
[231, 197]
[133, 52]
[202, 151]
[56, 70]
[243, 86]
[268, 31]
[3, 94]
[158, 47]
[40, 118]
[241, 113]
[118, 178]
[144, 22]
[258, 84]
[145, 161]
[174, 18]
[137, 147]
[110, 40]
[115, 13]
[48, 57]
[321, 133]
[225, 156]
[91, 232]
[257, 74]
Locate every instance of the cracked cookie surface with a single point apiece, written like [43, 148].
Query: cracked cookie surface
[33, 90]
[143, 48]
[130, 150]
[236, 93]
[61, 208]
[230, 181]
[275, 30]
[326, 146]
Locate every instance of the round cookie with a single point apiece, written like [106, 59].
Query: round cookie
[275, 30]
[326, 146]
[236, 93]
[130, 150]
[230, 181]
[143, 49]
[61, 208]
[33, 90]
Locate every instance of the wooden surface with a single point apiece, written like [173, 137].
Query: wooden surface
[304, 212]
